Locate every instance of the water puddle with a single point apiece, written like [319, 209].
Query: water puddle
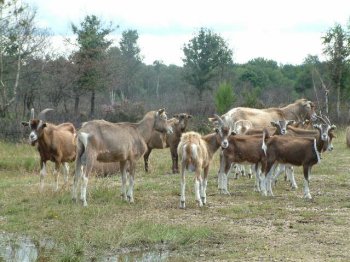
[25, 249]
[22, 248]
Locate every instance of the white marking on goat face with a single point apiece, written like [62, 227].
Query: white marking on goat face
[36, 127]
[223, 133]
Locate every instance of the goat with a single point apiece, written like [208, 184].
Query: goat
[196, 152]
[277, 127]
[298, 151]
[55, 143]
[301, 109]
[115, 142]
[241, 149]
[160, 140]
[326, 129]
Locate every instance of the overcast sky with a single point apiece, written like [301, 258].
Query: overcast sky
[282, 30]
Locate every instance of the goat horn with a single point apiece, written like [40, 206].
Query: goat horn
[326, 117]
[42, 114]
[322, 119]
[221, 122]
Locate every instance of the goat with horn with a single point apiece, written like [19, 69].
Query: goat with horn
[55, 143]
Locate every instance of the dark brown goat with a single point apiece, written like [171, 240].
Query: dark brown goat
[297, 151]
[161, 140]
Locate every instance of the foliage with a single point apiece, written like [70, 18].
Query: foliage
[224, 98]
[337, 47]
[130, 60]
[20, 38]
[205, 54]
[92, 42]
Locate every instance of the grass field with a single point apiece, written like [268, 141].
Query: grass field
[241, 227]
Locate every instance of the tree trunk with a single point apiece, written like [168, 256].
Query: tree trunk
[76, 104]
[157, 87]
[92, 104]
[338, 100]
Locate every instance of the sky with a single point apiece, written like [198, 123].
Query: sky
[286, 31]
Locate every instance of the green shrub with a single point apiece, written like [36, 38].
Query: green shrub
[224, 98]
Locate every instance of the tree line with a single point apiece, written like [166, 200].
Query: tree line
[104, 79]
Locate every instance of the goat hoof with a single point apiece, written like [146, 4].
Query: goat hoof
[204, 200]
[74, 200]
[307, 196]
[182, 204]
[130, 199]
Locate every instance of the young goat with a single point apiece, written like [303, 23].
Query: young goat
[196, 152]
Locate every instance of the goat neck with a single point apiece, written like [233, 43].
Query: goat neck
[212, 143]
[146, 125]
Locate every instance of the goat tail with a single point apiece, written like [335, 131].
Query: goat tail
[83, 138]
[265, 136]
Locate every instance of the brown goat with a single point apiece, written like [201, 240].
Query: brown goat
[196, 152]
[297, 151]
[115, 142]
[241, 149]
[160, 140]
[55, 143]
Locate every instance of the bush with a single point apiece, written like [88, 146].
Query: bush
[124, 111]
[224, 98]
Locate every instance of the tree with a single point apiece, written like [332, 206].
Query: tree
[93, 45]
[20, 39]
[337, 48]
[157, 65]
[131, 59]
[224, 98]
[205, 55]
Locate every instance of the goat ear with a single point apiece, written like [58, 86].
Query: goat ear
[233, 133]
[176, 115]
[316, 126]
[290, 122]
[25, 123]
[333, 127]
[161, 111]
[216, 130]
[273, 123]
[189, 116]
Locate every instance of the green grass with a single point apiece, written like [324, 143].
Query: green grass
[243, 226]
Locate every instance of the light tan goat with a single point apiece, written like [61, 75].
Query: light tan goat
[196, 152]
[301, 109]
[115, 142]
